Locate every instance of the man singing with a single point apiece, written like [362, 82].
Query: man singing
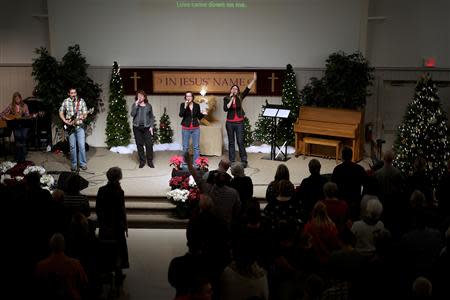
[72, 112]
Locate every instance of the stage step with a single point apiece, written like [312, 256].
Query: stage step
[151, 212]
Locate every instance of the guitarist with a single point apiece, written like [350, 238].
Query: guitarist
[17, 110]
[73, 112]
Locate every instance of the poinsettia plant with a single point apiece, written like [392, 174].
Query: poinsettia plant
[176, 161]
[202, 163]
[12, 174]
[184, 194]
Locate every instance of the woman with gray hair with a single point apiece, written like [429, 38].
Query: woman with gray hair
[112, 217]
[369, 224]
[242, 184]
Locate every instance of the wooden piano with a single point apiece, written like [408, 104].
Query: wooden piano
[330, 123]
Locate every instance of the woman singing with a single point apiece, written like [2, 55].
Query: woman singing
[191, 114]
[16, 110]
[143, 122]
[232, 104]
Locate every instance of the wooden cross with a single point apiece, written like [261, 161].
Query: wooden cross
[273, 78]
[135, 78]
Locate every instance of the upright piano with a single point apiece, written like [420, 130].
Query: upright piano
[339, 124]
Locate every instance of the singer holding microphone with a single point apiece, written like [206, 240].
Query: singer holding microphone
[190, 126]
[143, 122]
[232, 104]
[73, 112]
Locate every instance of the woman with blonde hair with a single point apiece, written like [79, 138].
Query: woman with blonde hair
[18, 109]
[323, 232]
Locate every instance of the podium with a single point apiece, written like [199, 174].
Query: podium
[276, 112]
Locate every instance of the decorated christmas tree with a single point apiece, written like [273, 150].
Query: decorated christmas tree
[118, 132]
[165, 130]
[291, 100]
[263, 128]
[248, 134]
[423, 133]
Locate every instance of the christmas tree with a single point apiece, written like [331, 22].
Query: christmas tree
[165, 130]
[423, 133]
[118, 132]
[263, 128]
[248, 134]
[291, 100]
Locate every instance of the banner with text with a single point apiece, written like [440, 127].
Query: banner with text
[154, 81]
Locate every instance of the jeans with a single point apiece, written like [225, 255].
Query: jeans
[77, 138]
[238, 129]
[20, 137]
[195, 134]
[143, 137]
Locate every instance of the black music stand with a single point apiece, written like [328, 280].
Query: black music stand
[276, 112]
[40, 135]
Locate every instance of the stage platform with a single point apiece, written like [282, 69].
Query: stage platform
[153, 183]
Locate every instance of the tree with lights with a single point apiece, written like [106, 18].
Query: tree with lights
[248, 133]
[291, 100]
[165, 130]
[118, 132]
[423, 133]
[263, 128]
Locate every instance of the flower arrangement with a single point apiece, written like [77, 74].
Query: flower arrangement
[31, 169]
[47, 181]
[184, 194]
[202, 163]
[178, 195]
[5, 166]
[176, 161]
[179, 182]
[13, 174]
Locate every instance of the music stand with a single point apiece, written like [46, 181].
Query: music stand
[276, 112]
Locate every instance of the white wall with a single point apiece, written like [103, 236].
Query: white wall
[412, 30]
[267, 33]
[23, 28]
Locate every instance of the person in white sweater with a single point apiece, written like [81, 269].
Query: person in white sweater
[365, 228]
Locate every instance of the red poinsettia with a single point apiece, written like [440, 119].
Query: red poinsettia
[176, 161]
[179, 182]
[202, 162]
[18, 169]
[194, 195]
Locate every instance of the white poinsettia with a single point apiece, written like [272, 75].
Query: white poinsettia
[32, 169]
[47, 180]
[18, 178]
[192, 182]
[5, 166]
[178, 195]
[4, 177]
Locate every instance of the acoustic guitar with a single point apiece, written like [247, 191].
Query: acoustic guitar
[11, 117]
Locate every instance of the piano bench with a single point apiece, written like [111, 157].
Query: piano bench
[319, 141]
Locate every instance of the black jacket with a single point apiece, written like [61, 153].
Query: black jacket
[230, 111]
[189, 117]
